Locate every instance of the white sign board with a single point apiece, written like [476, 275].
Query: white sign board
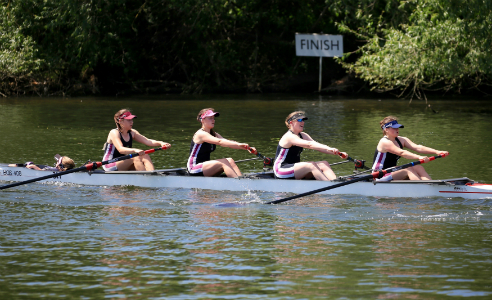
[320, 45]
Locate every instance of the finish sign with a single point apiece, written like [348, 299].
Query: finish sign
[320, 45]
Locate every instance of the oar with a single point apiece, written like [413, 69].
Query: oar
[243, 160]
[373, 175]
[359, 164]
[87, 167]
[266, 160]
[339, 163]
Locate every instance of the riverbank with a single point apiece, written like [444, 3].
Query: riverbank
[308, 84]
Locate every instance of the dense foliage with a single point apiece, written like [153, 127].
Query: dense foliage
[116, 46]
[442, 44]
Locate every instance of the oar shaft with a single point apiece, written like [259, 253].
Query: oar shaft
[320, 190]
[87, 167]
[266, 160]
[255, 152]
[248, 159]
[358, 163]
[339, 163]
[373, 175]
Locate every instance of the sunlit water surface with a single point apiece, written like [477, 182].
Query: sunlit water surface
[70, 241]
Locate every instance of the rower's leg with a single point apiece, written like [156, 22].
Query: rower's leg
[324, 166]
[126, 165]
[405, 174]
[147, 162]
[212, 168]
[142, 164]
[137, 163]
[234, 166]
[308, 170]
[422, 173]
[216, 167]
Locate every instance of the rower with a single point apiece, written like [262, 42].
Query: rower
[390, 149]
[288, 157]
[204, 142]
[120, 143]
[63, 163]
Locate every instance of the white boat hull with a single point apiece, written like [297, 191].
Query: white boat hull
[159, 179]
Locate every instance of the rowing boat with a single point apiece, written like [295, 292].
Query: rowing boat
[263, 181]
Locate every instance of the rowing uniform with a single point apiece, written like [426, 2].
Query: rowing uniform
[285, 158]
[111, 152]
[199, 153]
[42, 167]
[383, 161]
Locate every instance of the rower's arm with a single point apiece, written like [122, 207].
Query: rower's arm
[421, 148]
[388, 146]
[220, 141]
[149, 142]
[308, 143]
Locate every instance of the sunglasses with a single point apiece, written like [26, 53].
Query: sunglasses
[301, 120]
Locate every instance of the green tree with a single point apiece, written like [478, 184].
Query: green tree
[18, 55]
[445, 45]
[186, 45]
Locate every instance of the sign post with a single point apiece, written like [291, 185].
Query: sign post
[322, 45]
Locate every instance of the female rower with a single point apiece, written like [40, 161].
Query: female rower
[120, 143]
[390, 149]
[204, 142]
[63, 163]
[288, 157]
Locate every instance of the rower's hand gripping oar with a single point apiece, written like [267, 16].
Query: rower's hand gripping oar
[267, 161]
[87, 167]
[373, 175]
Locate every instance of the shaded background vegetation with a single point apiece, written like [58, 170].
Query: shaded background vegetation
[114, 47]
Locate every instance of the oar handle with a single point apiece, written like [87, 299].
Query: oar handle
[342, 155]
[358, 163]
[266, 160]
[252, 151]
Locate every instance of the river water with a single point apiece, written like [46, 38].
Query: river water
[69, 241]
